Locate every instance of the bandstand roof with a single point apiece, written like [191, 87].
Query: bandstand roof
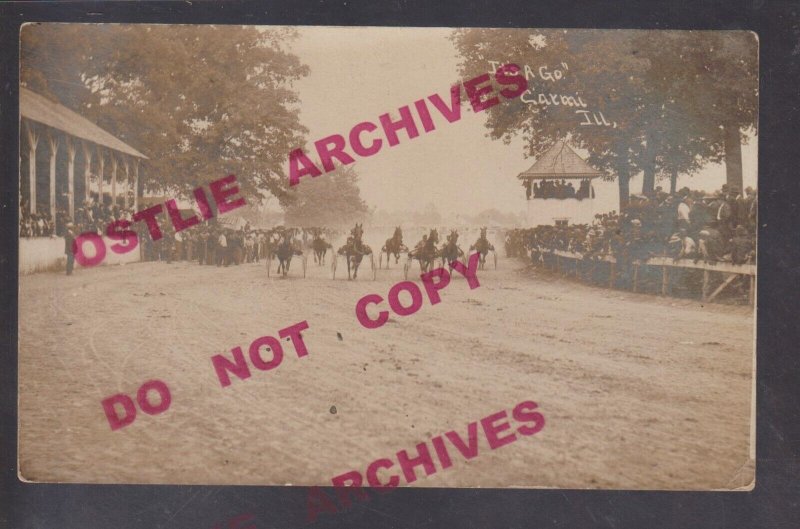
[40, 109]
[560, 161]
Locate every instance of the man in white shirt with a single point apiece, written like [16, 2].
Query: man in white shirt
[684, 208]
[222, 250]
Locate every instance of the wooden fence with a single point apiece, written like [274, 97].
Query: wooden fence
[568, 262]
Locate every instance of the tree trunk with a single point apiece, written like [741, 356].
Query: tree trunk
[649, 170]
[649, 181]
[733, 156]
[673, 182]
[624, 179]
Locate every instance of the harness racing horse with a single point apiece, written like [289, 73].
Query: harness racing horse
[451, 251]
[425, 252]
[393, 246]
[483, 247]
[320, 247]
[354, 250]
[274, 237]
[284, 251]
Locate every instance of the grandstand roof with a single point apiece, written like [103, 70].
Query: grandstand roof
[560, 161]
[40, 109]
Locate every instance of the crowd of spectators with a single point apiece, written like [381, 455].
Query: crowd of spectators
[714, 227]
[35, 224]
[559, 189]
[214, 243]
[209, 244]
[90, 216]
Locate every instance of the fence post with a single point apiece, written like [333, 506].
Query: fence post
[706, 283]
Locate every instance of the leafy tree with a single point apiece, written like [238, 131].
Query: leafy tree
[601, 70]
[637, 81]
[199, 101]
[710, 78]
[334, 200]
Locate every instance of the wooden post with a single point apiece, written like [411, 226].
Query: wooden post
[101, 159]
[706, 284]
[71, 177]
[33, 141]
[113, 180]
[752, 293]
[558, 263]
[136, 185]
[635, 276]
[87, 170]
[664, 280]
[52, 140]
[127, 182]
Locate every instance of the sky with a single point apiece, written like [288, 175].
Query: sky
[357, 74]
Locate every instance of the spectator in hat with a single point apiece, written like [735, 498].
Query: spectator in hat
[742, 247]
[710, 244]
[682, 246]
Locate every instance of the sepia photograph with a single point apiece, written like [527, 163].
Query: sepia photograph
[387, 257]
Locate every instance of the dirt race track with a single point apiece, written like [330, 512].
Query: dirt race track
[638, 392]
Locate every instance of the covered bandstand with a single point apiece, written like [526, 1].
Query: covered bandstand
[558, 188]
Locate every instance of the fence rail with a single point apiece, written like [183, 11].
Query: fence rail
[729, 271]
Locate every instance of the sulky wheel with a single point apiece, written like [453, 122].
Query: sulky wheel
[406, 268]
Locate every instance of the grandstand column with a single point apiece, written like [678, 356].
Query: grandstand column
[136, 184]
[127, 182]
[101, 159]
[113, 180]
[71, 177]
[53, 142]
[33, 141]
[87, 169]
